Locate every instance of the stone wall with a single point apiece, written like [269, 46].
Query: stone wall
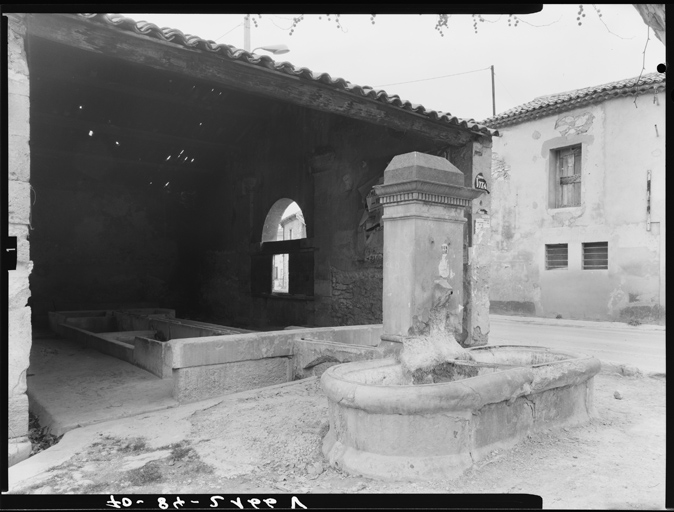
[357, 296]
[326, 164]
[19, 219]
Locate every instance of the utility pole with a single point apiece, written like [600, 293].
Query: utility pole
[246, 33]
[493, 92]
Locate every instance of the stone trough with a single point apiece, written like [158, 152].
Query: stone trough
[382, 426]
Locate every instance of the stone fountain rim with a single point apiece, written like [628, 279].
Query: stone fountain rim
[462, 395]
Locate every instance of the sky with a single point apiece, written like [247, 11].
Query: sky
[540, 54]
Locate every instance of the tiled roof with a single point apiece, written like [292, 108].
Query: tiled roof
[562, 102]
[232, 53]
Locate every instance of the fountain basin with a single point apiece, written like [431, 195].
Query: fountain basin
[382, 427]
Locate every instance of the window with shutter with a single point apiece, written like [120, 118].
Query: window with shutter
[260, 273]
[567, 176]
[285, 251]
[301, 280]
[283, 268]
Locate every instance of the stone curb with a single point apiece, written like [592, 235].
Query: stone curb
[627, 370]
[576, 323]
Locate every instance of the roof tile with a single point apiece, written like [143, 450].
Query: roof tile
[232, 53]
[564, 101]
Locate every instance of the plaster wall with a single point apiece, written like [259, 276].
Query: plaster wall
[620, 143]
[475, 159]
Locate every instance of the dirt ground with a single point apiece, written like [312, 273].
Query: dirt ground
[270, 442]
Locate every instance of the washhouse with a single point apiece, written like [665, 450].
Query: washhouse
[149, 172]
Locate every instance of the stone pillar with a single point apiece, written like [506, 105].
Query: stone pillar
[424, 199]
[474, 159]
[19, 328]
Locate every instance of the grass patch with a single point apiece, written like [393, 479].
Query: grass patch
[135, 445]
[96, 488]
[180, 450]
[148, 474]
[39, 436]
[202, 467]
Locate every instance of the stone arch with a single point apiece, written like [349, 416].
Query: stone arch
[273, 219]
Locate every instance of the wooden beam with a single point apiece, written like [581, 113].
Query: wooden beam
[85, 125]
[151, 95]
[54, 154]
[83, 34]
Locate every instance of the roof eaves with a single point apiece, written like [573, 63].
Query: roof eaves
[229, 52]
[563, 102]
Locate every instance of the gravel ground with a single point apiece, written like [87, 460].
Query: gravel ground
[269, 441]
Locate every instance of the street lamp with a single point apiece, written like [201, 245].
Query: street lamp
[276, 49]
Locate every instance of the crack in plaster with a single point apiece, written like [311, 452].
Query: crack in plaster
[21, 383]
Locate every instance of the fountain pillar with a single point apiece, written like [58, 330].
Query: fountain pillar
[384, 426]
[424, 199]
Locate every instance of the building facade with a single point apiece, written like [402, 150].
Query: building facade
[578, 204]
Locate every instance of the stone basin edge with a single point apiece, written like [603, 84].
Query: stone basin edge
[462, 395]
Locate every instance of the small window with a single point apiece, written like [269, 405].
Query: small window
[595, 256]
[556, 256]
[280, 263]
[284, 265]
[567, 174]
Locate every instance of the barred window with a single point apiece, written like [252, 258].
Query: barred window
[556, 256]
[595, 255]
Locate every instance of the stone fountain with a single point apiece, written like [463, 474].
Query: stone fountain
[436, 408]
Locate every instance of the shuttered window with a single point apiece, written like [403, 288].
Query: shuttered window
[260, 274]
[556, 256]
[595, 255]
[568, 174]
[301, 281]
[288, 258]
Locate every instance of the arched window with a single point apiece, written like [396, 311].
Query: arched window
[284, 265]
[290, 227]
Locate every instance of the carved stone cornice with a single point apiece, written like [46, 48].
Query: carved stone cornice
[425, 191]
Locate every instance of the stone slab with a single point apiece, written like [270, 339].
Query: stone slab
[18, 450]
[72, 385]
[203, 382]
[18, 416]
[309, 353]
[153, 356]
[421, 166]
[210, 350]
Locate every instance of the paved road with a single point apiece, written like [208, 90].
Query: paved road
[642, 346]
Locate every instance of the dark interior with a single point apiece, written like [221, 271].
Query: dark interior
[151, 188]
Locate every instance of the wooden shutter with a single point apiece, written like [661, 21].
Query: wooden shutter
[261, 269]
[568, 176]
[575, 200]
[301, 272]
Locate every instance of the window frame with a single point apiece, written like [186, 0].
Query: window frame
[547, 259]
[300, 282]
[594, 245]
[568, 194]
